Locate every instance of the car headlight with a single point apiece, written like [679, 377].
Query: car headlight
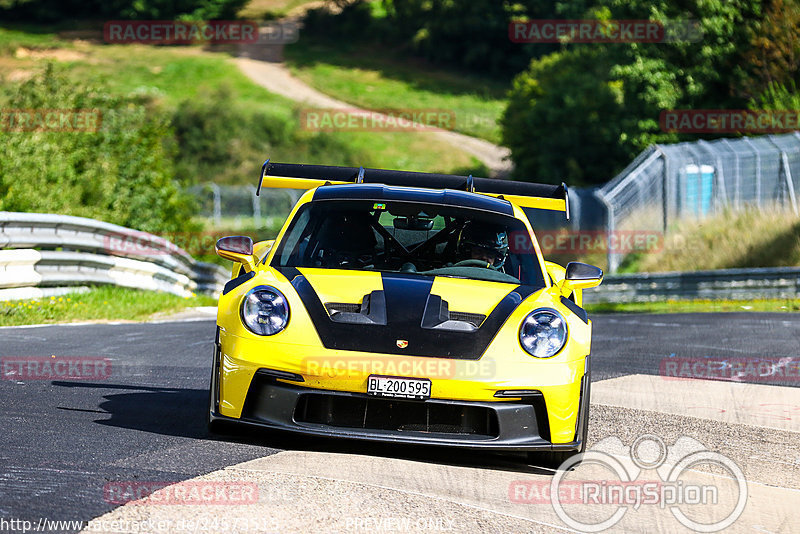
[543, 333]
[265, 311]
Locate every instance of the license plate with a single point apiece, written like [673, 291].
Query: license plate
[395, 386]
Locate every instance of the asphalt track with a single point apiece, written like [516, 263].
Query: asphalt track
[63, 441]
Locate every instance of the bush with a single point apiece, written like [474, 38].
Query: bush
[219, 140]
[565, 120]
[471, 34]
[778, 97]
[353, 21]
[463, 34]
[121, 174]
[134, 170]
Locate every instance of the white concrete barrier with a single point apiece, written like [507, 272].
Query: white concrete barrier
[56, 252]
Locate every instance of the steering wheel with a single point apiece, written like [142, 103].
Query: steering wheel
[472, 263]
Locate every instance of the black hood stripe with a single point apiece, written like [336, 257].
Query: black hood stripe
[577, 310]
[406, 299]
[236, 282]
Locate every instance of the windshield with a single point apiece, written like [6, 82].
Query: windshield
[410, 237]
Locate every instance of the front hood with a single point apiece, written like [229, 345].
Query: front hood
[408, 314]
[350, 286]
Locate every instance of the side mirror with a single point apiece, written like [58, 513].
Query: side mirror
[237, 248]
[580, 276]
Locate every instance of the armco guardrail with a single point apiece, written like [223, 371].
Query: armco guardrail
[727, 284]
[44, 253]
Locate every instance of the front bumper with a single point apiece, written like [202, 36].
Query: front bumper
[519, 425]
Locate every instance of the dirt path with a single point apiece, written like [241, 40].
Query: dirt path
[264, 65]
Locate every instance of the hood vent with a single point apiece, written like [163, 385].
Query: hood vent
[476, 319]
[342, 307]
[438, 316]
[372, 310]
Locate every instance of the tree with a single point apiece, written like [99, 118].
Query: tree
[564, 120]
[773, 57]
[120, 173]
[581, 114]
[470, 34]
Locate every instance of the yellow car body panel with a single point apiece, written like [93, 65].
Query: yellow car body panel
[504, 365]
[299, 350]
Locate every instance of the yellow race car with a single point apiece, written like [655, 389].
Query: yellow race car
[406, 307]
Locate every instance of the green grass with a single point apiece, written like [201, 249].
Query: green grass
[376, 78]
[751, 238]
[102, 303]
[177, 74]
[697, 306]
[28, 37]
[174, 74]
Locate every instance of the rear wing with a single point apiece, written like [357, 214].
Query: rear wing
[523, 194]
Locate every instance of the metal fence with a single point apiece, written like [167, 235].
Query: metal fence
[232, 207]
[727, 284]
[666, 183]
[237, 206]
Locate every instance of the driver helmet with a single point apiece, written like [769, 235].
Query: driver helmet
[484, 241]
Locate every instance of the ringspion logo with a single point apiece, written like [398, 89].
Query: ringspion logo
[613, 480]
